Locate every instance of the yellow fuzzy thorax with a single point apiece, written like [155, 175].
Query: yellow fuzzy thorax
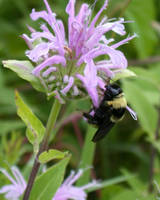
[118, 102]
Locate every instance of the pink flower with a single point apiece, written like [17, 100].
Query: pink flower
[67, 191]
[66, 65]
[16, 189]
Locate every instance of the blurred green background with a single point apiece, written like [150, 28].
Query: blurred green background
[129, 146]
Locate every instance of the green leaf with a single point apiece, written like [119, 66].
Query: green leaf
[47, 184]
[51, 154]
[150, 75]
[24, 70]
[142, 13]
[146, 112]
[123, 74]
[149, 82]
[35, 127]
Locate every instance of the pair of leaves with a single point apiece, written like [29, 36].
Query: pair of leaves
[46, 185]
[35, 131]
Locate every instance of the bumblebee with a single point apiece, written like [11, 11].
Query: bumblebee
[111, 110]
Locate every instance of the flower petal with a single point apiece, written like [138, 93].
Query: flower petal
[119, 28]
[97, 16]
[41, 14]
[40, 50]
[18, 176]
[96, 36]
[68, 87]
[50, 61]
[123, 41]
[133, 114]
[7, 175]
[117, 58]
[27, 40]
[83, 13]
[75, 90]
[16, 189]
[71, 12]
[76, 177]
[48, 71]
[68, 191]
[48, 7]
[90, 81]
[70, 8]
[101, 83]
[6, 189]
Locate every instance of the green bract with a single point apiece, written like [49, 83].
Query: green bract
[125, 73]
[24, 71]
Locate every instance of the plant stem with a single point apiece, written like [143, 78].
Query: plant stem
[153, 155]
[147, 61]
[44, 145]
[87, 156]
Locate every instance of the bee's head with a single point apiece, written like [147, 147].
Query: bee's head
[112, 91]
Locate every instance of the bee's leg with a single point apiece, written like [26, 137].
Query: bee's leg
[99, 113]
[94, 122]
[90, 118]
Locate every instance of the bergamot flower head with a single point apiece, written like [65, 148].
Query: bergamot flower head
[68, 66]
[68, 191]
[17, 186]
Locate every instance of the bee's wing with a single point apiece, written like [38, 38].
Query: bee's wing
[103, 130]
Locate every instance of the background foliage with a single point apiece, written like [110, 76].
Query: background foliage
[127, 149]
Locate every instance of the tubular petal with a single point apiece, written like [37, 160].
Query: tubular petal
[68, 87]
[123, 41]
[48, 71]
[50, 61]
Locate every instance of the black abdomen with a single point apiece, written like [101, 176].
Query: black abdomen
[117, 114]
